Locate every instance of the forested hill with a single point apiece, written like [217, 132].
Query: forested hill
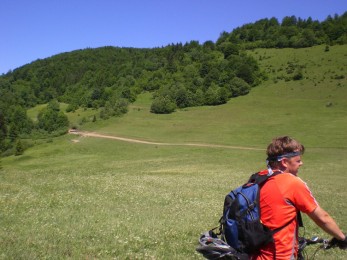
[179, 75]
[290, 32]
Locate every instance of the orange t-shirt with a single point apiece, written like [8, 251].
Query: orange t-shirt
[280, 198]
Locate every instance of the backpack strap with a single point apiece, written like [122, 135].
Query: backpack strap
[300, 221]
[261, 179]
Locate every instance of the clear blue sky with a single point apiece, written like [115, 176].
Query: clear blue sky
[37, 29]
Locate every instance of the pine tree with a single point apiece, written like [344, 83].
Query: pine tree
[19, 148]
[3, 131]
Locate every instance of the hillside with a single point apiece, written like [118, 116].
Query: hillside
[313, 106]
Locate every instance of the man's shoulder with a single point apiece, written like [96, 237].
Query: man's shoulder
[291, 181]
[288, 177]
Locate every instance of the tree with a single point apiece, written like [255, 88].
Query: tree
[245, 72]
[198, 98]
[212, 76]
[50, 119]
[229, 48]
[14, 132]
[121, 106]
[224, 95]
[19, 148]
[3, 131]
[208, 45]
[239, 87]
[114, 107]
[216, 95]
[289, 21]
[182, 98]
[223, 37]
[282, 42]
[53, 105]
[308, 38]
[19, 117]
[163, 105]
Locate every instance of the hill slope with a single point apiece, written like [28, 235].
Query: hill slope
[313, 108]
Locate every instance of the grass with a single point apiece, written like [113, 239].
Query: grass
[87, 198]
[114, 201]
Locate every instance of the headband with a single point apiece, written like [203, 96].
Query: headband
[280, 157]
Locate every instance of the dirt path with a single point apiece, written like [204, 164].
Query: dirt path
[130, 140]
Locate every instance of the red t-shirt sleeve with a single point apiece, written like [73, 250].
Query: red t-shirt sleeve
[303, 198]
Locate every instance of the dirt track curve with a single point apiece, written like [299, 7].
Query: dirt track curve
[130, 140]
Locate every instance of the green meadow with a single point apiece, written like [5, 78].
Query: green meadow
[93, 198]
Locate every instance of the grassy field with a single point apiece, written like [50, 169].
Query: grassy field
[88, 198]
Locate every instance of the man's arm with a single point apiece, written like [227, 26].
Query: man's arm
[327, 223]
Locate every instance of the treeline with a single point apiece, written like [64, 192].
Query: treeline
[291, 32]
[93, 77]
[179, 75]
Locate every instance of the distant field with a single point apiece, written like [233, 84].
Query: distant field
[89, 198]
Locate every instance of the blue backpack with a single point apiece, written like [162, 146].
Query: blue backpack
[240, 224]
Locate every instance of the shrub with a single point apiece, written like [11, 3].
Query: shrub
[239, 87]
[163, 105]
[298, 75]
[19, 148]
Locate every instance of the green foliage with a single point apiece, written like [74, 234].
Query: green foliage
[163, 105]
[291, 32]
[18, 119]
[115, 108]
[71, 108]
[94, 77]
[3, 132]
[53, 105]
[298, 75]
[52, 119]
[229, 48]
[216, 96]
[19, 148]
[239, 87]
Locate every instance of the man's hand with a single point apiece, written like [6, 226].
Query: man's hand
[342, 244]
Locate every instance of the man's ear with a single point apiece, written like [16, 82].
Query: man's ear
[284, 163]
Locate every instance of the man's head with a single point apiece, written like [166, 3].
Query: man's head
[284, 153]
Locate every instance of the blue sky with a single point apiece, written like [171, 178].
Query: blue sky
[38, 29]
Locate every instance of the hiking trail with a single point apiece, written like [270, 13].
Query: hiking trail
[131, 140]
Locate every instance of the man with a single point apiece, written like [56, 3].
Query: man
[283, 196]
